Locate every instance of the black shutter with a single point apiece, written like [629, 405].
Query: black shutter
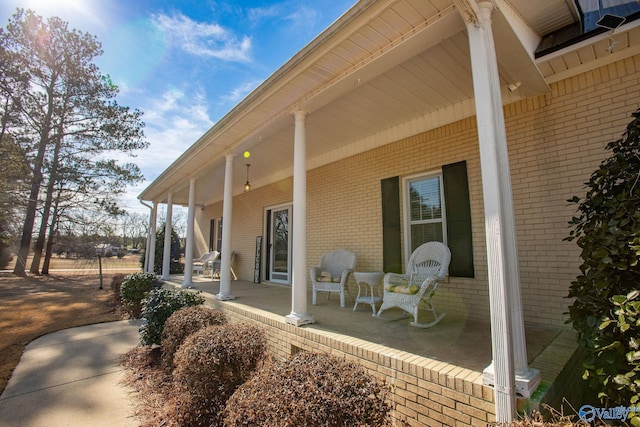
[212, 225]
[391, 242]
[456, 199]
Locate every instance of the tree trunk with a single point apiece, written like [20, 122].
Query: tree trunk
[30, 217]
[46, 210]
[53, 231]
[32, 203]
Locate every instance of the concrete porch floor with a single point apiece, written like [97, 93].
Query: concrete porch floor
[458, 341]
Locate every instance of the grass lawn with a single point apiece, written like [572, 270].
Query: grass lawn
[33, 306]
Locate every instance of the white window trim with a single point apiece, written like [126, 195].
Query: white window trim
[406, 214]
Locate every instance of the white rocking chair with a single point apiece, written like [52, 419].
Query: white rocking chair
[428, 265]
[332, 273]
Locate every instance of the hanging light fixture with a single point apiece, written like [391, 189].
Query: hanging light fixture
[247, 186]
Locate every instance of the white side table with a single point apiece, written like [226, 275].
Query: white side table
[371, 294]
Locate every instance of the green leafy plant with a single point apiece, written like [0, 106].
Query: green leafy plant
[309, 390]
[625, 324]
[183, 323]
[134, 289]
[604, 310]
[175, 266]
[158, 305]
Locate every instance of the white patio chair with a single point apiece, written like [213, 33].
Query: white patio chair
[332, 273]
[427, 266]
[199, 265]
[215, 266]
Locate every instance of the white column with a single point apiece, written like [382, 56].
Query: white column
[166, 254]
[299, 315]
[151, 250]
[507, 325]
[225, 250]
[188, 246]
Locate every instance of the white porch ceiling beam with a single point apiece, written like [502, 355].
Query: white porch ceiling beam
[516, 43]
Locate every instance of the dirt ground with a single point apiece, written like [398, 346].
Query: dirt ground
[36, 305]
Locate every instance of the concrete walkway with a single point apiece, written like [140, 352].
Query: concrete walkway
[72, 378]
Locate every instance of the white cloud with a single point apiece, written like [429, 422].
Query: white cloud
[261, 13]
[293, 16]
[174, 121]
[238, 93]
[302, 19]
[202, 39]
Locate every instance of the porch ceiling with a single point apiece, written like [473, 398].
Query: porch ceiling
[384, 70]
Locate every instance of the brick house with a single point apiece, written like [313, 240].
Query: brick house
[377, 116]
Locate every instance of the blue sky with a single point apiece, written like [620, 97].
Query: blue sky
[187, 63]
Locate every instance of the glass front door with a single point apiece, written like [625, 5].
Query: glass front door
[279, 250]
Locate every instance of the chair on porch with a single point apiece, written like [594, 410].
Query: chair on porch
[215, 266]
[199, 265]
[332, 273]
[427, 266]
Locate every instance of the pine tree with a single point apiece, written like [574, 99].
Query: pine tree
[60, 105]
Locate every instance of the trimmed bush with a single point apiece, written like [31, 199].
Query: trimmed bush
[309, 390]
[183, 323]
[210, 365]
[158, 305]
[134, 289]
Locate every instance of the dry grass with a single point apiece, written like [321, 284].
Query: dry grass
[37, 305]
[155, 396]
[81, 266]
[559, 420]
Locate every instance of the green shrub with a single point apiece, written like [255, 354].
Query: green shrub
[134, 289]
[604, 311]
[175, 266]
[309, 390]
[183, 323]
[210, 365]
[158, 305]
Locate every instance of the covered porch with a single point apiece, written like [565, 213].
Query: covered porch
[446, 360]
[396, 93]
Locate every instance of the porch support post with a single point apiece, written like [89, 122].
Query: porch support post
[227, 216]
[507, 325]
[188, 246]
[151, 249]
[299, 315]
[166, 254]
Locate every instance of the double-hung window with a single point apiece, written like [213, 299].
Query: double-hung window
[426, 220]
